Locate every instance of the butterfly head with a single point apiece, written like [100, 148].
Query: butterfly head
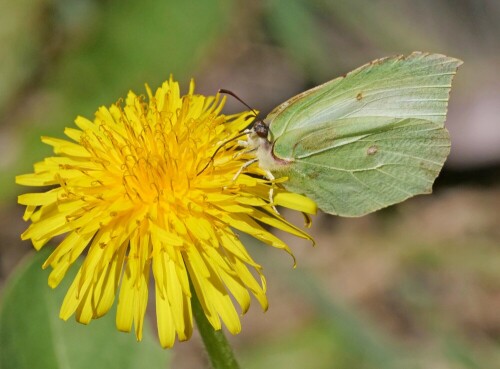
[258, 135]
[261, 129]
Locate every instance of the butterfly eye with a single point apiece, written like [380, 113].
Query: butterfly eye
[261, 129]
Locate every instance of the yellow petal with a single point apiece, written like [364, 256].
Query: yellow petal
[65, 147]
[296, 202]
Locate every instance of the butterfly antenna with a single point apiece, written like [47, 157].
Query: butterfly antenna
[227, 92]
[217, 150]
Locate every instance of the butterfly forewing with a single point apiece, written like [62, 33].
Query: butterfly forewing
[415, 86]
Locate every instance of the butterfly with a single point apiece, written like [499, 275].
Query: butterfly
[363, 141]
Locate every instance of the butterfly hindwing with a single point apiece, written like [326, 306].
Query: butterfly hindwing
[357, 171]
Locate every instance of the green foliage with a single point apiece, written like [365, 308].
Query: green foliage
[338, 337]
[297, 30]
[33, 336]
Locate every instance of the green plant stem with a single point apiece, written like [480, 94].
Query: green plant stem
[218, 348]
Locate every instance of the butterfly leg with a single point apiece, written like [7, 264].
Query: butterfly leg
[270, 176]
[243, 143]
[243, 167]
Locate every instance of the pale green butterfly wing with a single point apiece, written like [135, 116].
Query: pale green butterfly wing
[367, 140]
[415, 86]
[360, 165]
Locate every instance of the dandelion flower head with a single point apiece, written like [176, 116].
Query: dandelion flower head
[149, 190]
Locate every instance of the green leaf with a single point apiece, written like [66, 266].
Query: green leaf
[32, 335]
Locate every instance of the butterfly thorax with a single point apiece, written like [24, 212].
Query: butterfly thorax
[259, 140]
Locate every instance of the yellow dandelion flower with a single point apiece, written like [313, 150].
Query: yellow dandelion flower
[149, 187]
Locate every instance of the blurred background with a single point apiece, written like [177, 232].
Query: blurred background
[413, 286]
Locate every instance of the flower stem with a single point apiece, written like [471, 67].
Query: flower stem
[219, 351]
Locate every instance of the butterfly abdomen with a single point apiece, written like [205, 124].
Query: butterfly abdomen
[267, 159]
